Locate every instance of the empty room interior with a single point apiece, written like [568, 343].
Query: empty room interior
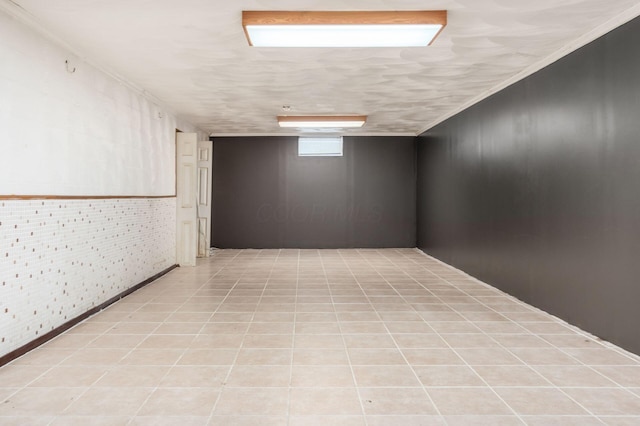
[337, 212]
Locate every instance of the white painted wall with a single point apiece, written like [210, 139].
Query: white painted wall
[81, 133]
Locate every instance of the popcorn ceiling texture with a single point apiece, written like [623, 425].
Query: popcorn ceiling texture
[193, 55]
[60, 258]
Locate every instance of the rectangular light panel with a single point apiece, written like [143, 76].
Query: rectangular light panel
[343, 29]
[321, 121]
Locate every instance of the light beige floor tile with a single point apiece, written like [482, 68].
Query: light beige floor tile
[253, 401]
[536, 401]
[468, 341]
[320, 357]
[287, 331]
[371, 341]
[124, 341]
[400, 316]
[543, 356]
[512, 341]
[258, 341]
[16, 375]
[69, 376]
[150, 357]
[271, 328]
[259, 376]
[411, 327]
[208, 357]
[222, 341]
[322, 376]
[70, 341]
[620, 421]
[501, 327]
[323, 317]
[91, 327]
[152, 317]
[440, 316]
[317, 328]
[432, 357]
[264, 357]
[361, 327]
[622, 375]
[607, 401]
[133, 328]
[326, 420]
[570, 376]
[357, 316]
[259, 420]
[571, 341]
[36, 420]
[217, 328]
[95, 356]
[91, 421]
[514, 375]
[180, 402]
[418, 341]
[125, 376]
[231, 317]
[39, 401]
[404, 401]
[109, 402]
[276, 307]
[195, 376]
[179, 328]
[468, 401]
[448, 327]
[487, 356]
[237, 307]
[44, 357]
[353, 307]
[483, 420]
[359, 356]
[385, 376]
[320, 341]
[169, 421]
[448, 376]
[193, 317]
[600, 356]
[547, 328]
[324, 401]
[159, 307]
[406, 420]
[562, 421]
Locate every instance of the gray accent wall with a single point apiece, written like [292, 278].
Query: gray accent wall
[536, 190]
[266, 196]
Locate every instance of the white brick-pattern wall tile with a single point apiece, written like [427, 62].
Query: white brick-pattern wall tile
[60, 258]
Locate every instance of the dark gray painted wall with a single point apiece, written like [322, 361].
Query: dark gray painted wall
[265, 196]
[536, 190]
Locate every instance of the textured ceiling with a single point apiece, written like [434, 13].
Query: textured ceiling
[193, 56]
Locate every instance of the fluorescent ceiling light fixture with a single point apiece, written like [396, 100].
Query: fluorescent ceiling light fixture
[317, 121]
[343, 29]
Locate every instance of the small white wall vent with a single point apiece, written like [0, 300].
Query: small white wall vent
[320, 147]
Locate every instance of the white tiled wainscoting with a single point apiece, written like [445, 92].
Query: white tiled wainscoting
[60, 258]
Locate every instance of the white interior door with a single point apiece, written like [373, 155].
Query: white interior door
[186, 184]
[205, 163]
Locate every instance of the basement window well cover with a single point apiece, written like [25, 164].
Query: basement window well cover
[320, 147]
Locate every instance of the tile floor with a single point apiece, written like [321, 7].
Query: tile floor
[321, 337]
